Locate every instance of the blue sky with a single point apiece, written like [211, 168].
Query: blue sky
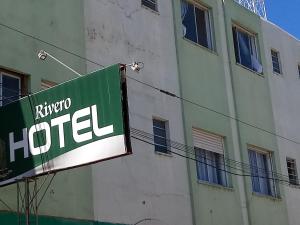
[286, 14]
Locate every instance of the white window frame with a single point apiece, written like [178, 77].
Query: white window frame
[255, 59]
[208, 24]
[2, 73]
[167, 136]
[278, 61]
[210, 144]
[296, 180]
[269, 179]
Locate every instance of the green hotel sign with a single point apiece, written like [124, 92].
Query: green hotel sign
[79, 122]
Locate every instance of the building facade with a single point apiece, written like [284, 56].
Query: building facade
[283, 57]
[228, 116]
[149, 186]
[212, 111]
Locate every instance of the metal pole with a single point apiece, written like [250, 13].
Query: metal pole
[36, 201]
[18, 202]
[27, 206]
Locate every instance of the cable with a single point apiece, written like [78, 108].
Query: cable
[274, 176]
[149, 85]
[48, 43]
[212, 110]
[283, 182]
[190, 150]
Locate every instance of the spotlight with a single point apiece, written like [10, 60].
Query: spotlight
[136, 66]
[42, 55]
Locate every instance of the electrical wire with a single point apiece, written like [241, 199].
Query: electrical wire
[280, 178]
[151, 86]
[190, 150]
[48, 43]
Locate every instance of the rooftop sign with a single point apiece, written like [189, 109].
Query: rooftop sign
[79, 122]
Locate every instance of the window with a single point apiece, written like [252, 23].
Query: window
[12, 86]
[261, 172]
[276, 61]
[47, 84]
[246, 50]
[151, 4]
[210, 157]
[160, 136]
[299, 70]
[196, 24]
[292, 171]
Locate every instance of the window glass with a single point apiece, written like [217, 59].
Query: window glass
[196, 24]
[246, 50]
[160, 136]
[211, 167]
[10, 89]
[189, 22]
[275, 61]
[292, 171]
[261, 173]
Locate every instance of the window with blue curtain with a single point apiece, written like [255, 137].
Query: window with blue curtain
[246, 50]
[261, 173]
[196, 24]
[211, 167]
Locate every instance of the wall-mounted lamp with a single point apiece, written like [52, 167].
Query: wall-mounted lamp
[136, 66]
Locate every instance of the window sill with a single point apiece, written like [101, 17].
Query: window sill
[253, 71]
[216, 186]
[164, 154]
[269, 197]
[201, 46]
[151, 10]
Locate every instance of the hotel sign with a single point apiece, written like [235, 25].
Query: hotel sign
[79, 122]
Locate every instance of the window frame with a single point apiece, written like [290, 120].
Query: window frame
[167, 137]
[215, 170]
[296, 179]
[278, 61]
[298, 67]
[254, 48]
[19, 77]
[209, 28]
[155, 2]
[216, 156]
[272, 184]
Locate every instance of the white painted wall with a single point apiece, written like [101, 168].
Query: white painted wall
[145, 184]
[285, 95]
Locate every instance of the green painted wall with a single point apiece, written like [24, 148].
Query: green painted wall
[60, 23]
[202, 80]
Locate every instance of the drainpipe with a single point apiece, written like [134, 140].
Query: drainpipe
[232, 107]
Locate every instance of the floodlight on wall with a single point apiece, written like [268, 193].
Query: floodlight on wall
[136, 66]
[42, 54]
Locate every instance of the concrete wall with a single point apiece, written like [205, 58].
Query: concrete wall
[214, 80]
[59, 23]
[285, 93]
[145, 184]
